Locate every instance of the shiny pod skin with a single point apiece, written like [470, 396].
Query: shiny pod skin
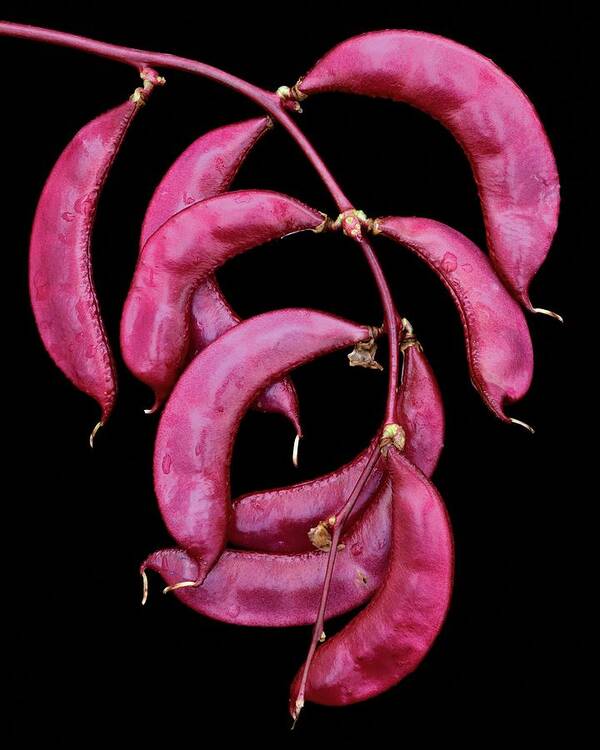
[279, 520]
[498, 343]
[180, 255]
[390, 637]
[419, 409]
[200, 421]
[60, 273]
[490, 117]
[205, 169]
[278, 590]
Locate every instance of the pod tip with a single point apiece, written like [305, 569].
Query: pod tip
[296, 712]
[94, 431]
[295, 450]
[549, 313]
[144, 587]
[180, 585]
[528, 427]
[153, 409]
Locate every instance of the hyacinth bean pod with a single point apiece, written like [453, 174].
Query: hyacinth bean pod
[205, 169]
[60, 274]
[490, 117]
[282, 590]
[499, 348]
[389, 638]
[200, 420]
[180, 255]
[419, 409]
[279, 520]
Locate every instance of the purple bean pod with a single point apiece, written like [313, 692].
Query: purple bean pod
[279, 520]
[499, 349]
[199, 424]
[181, 255]
[489, 115]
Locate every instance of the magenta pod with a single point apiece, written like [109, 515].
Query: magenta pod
[389, 638]
[205, 169]
[279, 520]
[200, 420]
[490, 117]
[180, 255]
[273, 590]
[211, 317]
[60, 273]
[499, 347]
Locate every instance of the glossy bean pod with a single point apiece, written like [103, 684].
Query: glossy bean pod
[61, 286]
[419, 409]
[389, 638]
[201, 418]
[499, 348]
[182, 254]
[490, 117]
[280, 590]
[279, 520]
[207, 168]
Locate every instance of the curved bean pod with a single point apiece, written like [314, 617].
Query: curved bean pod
[273, 590]
[419, 410]
[60, 274]
[211, 317]
[390, 637]
[490, 117]
[179, 256]
[278, 520]
[200, 421]
[499, 347]
[205, 169]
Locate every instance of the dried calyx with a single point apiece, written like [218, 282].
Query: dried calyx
[363, 354]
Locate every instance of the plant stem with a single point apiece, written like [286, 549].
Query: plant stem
[268, 100]
[139, 59]
[335, 540]
[343, 514]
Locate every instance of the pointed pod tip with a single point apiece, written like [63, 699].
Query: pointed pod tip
[144, 587]
[298, 706]
[528, 427]
[154, 408]
[94, 431]
[180, 585]
[295, 449]
[549, 313]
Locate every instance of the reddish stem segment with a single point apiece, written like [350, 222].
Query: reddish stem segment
[141, 58]
[267, 100]
[318, 631]
[391, 327]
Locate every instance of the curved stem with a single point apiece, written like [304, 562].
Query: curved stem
[333, 550]
[265, 99]
[391, 327]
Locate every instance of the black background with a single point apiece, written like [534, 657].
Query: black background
[88, 660]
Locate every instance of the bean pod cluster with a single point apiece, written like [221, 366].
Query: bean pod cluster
[374, 534]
